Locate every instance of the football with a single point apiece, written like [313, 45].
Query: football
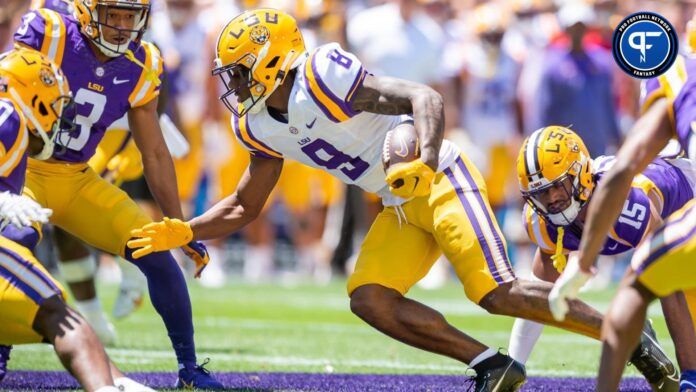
[400, 145]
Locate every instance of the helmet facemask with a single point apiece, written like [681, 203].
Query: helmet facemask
[245, 69]
[238, 79]
[99, 25]
[558, 216]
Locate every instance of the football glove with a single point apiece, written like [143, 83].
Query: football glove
[197, 252]
[21, 211]
[160, 236]
[567, 287]
[410, 179]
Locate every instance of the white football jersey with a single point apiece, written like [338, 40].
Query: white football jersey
[322, 131]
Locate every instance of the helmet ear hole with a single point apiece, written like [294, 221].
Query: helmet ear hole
[42, 109]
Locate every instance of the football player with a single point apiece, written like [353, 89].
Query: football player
[112, 72]
[664, 262]
[325, 110]
[557, 175]
[34, 99]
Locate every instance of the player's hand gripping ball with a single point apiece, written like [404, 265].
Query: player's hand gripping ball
[407, 175]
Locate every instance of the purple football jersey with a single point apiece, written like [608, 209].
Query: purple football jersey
[14, 139]
[671, 189]
[684, 106]
[679, 86]
[103, 92]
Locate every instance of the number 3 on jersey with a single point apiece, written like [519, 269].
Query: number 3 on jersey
[97, 103]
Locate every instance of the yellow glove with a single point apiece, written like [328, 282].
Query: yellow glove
[410, 179]
[160, 236]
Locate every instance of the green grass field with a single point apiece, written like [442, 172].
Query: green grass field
[305, 328]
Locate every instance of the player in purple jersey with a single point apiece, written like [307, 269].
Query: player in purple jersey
[555, 214]
[664, 263]
[34, 98]
[113, 73]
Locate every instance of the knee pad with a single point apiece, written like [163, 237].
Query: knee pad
[78, 270]
[28, 237]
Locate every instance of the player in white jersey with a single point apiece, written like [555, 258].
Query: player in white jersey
[325, 110]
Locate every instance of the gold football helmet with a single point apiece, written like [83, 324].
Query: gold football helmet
[39, 88]
[254, 53]
[93, 16]
[555, 157]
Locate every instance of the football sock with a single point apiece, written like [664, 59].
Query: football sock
[482, 357]
[28, 237]
[170, 297]
[524, 336]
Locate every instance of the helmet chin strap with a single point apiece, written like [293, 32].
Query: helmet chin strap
[47, 150]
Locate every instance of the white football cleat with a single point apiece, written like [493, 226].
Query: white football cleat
[131, 291]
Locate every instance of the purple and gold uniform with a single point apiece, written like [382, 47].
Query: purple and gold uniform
[665, 182]
[322, 131]
[84, 204]
[24, 282]
[665, 262]
[14, 139]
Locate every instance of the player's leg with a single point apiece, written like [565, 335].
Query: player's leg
[680, 326]
[78, 267]
[103, 216]
[688, 375]
[393, 258]
[621, 331]
[133, 285]
[32, 310]
[76, 344]
[481, 263]
[396, 253]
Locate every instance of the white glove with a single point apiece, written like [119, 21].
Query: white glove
[567, 287]
[21, 211]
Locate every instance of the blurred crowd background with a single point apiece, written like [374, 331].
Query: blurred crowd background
[504, 67]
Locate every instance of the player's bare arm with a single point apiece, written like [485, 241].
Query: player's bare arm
[244, 205]
[391, 96]
[157, 162]
[649, 135]
[542, 267]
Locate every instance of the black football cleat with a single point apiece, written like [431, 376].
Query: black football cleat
[508, 377]
[652, 362]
